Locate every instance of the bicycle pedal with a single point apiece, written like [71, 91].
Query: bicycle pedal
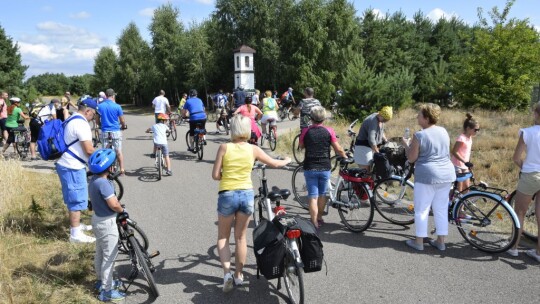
[154, 254]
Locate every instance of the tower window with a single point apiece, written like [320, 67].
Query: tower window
[247, 61]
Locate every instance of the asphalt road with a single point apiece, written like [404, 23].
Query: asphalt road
[179, 216]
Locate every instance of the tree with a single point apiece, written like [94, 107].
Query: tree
[80, 85]
[50, 84]
[12, 70]
[104, 70]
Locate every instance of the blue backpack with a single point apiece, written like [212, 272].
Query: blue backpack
[51, 143]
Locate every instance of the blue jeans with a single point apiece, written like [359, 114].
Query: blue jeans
[317, 183]
[229, 202]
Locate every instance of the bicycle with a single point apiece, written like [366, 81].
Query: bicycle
[271, 135]
[198, 141]
[222, 123]
[22, 140]
[173, 117]
[530, 224]
[286, 111]
[109, 144]
[140, 260]
[293, 273]
[96, 133]
[345, 195]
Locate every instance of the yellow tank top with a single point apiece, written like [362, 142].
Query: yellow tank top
[236, 167]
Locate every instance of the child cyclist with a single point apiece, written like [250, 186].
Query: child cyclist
[106, 207]
[160, 139]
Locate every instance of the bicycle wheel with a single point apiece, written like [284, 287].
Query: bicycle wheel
[298, 153]
[187, 140]
[227, 126]
[159, 159]
[212, 116]
[118, 187]
[263, 138]
[530, 224]
[486, 223]
[221, 125]
[138, 233]
[143, 264]
[394, 202]
[290, 114]
[174, 133]
[355, 214]
[299, 187]
[272, 141]
[200, 149]
[293, 277]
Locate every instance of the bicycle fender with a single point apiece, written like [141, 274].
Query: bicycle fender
[494, 196]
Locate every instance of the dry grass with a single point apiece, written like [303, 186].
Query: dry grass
[37, 264]
[492, 148]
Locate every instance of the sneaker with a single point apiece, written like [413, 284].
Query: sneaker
[82, 238]
[116, 284]
[153, 155]
[168, 172]
[434, 243]
[85, 227]
[111, 296]
[513, 252]
[412, 244]
[239, 281]
[204, 142]
[533, 254]
[228, 282]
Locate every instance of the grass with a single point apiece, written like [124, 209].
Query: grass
[492, 148]
[37, 264]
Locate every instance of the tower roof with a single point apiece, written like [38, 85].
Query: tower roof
[245, 49]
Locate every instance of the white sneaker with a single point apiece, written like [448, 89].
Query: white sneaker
[82, 238]
[513, 252]
[239, 281]
[85, 227]
[228, 282]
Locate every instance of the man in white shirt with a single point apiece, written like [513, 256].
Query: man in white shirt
[48, 112]
[161, 105]
[71, 168]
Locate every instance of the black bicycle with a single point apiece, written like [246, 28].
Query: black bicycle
[198, 141]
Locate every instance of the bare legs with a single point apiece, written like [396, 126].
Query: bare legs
[224, 232]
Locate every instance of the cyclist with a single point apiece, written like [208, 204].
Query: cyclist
[159, 132]
[111, 119]
[220, 100]
[14, 115]
[197, 116]
[161, 104]
[269, 107]
[287, 99]
[306, 105]
[106, 207]
[239, 97]
[254, 114]
[370, 136]
[255, 98]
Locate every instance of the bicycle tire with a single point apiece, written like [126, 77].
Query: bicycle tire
[281, 113]
[298, 153]
[138, 233]
[200, 149]
[21, 146]
[395, 202]
[262, 139]
[530, 224]
[227, 126]
[486, 223]
[159, 161]
[293, 278]
[221, 125]
[357, 215]
[299, 187]
[118, 187]
[187, 140]
[174, 132]
[143, 260]
[272, 141]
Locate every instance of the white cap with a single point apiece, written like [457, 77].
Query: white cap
[102, 94]
[17, 99]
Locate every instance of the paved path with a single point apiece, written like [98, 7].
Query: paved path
[179, 215]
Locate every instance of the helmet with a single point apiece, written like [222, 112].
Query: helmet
[101, 160]
[163, 116]
[192, 92]
[15, 99]
[386, 113]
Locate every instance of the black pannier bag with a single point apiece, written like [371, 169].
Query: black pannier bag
[395, 154]
[383, 168]
[269, 247]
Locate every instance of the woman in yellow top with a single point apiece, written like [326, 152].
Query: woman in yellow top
[233, 165]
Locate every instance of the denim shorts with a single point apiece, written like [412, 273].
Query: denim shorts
[317, 183]
[164, 149]
[116, 139]
[74, 187]
[229, 202]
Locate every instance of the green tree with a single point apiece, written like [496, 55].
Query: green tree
[50, 83]
[80, 85]
[12, 70]
[104, 70]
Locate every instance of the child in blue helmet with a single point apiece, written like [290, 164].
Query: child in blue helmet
[106, 207]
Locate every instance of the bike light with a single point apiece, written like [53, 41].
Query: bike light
[293, 233]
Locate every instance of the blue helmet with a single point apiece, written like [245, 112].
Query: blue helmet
[101, 160]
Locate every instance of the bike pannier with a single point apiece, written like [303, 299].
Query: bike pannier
[311, 247]
[383, 168]
[269, 247]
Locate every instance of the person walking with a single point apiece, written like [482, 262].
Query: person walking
[370, 136]
[111, 119]
[161, 105]
[71, 168]
[529, 179]
[239, 97]
[433, 176]
[3, 116]
[232, 168]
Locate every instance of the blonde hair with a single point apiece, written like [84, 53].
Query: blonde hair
[240, 127]
[431, 112]
[268, 93]
[318, 114]
[257, 92]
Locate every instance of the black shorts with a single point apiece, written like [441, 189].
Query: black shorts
[34, 130]
[11, 135]
[194, 123]
[3, 125]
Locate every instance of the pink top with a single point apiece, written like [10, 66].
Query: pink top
[244, 111]
[3, 113]
[464, 151]
[333, 137]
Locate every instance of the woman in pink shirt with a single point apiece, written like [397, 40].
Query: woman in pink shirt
[254, 113]
[461, 153]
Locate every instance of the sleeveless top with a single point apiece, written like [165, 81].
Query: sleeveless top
[236, 167]
[531, 137]
[433, 165]
[317, 140]
[464, 151]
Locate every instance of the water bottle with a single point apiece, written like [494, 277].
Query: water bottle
[407, 134]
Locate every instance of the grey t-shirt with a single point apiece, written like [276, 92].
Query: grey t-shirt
[99, 190]
[433, 165]
[370, 134]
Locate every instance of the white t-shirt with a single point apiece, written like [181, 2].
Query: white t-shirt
[160, 103]
[46, 113]
[255, 99]
[531, 137]
[76, 129]
[160, 133]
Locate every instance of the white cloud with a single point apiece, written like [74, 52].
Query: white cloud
[436, 14]
[537, 28]
[378, 13]
[38, 51]
[147, 12]
[207, 2]
[80, 15]
[62, 34]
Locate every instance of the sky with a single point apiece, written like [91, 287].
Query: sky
[64, 36]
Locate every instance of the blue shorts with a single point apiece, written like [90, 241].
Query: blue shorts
[74, 187]
[164, 149]
[229, 202]
[317, 183]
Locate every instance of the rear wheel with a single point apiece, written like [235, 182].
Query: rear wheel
[290, 113]
[22, 144]
[200, 149]
[272, 141]
[221, 127]
[138, 233]
[174, 133]
[530, 224]
[298, 153]
[395, 202]
[143, 264]
[293, 277]
[486, 223]
[356, 214]
[299, 187]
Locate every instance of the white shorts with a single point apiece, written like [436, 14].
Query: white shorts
[265, 118]
[363, 155]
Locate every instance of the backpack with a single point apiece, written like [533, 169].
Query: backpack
[51, 143]
[383, 168]
[269, 248]
[285, 96]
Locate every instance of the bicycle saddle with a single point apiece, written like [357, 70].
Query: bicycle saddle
[20, 129]
[348, 160]
[356, 172]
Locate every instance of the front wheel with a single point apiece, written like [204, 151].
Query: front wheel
[118, 187]
[159, 161]
[355, 213]
[187, 140]
[272, 141]
[486, 223]
[293, 277]
[298, 153]
[138, 233]
[174, 133]
[395, 201]
[143, 264]
[530, 224]
[299, 187]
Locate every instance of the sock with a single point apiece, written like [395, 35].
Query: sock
[75, 231]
